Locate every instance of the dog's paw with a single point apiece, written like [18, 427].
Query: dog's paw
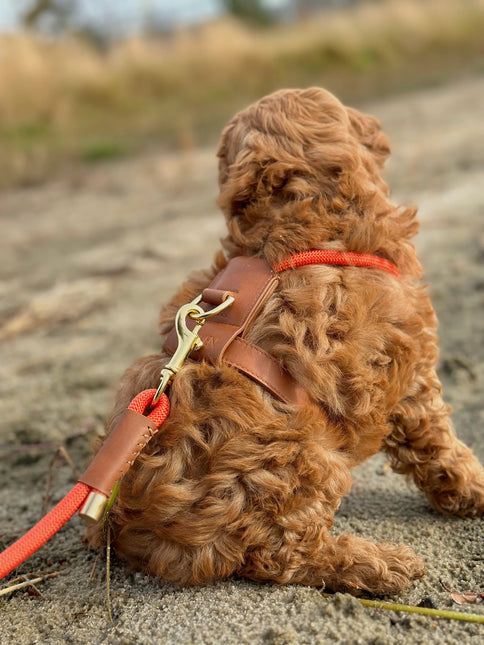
[394, 570]
[467, 501]
[379, 569]
[459, 489]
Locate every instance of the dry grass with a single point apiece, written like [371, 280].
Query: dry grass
[65, 101]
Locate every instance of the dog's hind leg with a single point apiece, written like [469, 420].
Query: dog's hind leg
[422, 444]
[292, 542]
[340, 563]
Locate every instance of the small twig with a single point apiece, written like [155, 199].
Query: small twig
[64, 452]
[60, 452]
[27, 583]
[37, 591]
[15, 580]
[444, 586]
[48, 484]
[437, 613]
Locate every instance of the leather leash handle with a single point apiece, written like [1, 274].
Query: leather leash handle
[119, 451]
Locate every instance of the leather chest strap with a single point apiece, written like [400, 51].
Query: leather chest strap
[265, 370]
[251, 281]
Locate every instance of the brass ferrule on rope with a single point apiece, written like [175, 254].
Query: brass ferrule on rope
[93, 508]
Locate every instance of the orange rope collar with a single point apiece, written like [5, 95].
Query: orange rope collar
[342, 258]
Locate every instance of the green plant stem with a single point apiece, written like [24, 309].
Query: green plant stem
[425, 611]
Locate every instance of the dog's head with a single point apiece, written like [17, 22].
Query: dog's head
[299, 170]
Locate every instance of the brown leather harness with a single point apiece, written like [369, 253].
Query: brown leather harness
[251, 281]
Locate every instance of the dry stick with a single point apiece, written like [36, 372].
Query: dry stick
[64, 452]
[49, 482]
[14, 448]
[61, 451]
[27, 583]
[39, 593]
[437, 613]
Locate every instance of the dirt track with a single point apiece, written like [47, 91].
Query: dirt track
[86, 262]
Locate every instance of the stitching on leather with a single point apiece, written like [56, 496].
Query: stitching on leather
[109, 485]
[265, 290]
[256, 297]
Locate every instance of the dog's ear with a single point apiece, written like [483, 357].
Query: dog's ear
[367, 131]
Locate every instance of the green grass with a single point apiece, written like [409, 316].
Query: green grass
[102, 151]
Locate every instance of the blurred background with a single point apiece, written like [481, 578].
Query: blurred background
[82, 81]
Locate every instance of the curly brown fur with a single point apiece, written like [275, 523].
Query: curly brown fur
[240, 483]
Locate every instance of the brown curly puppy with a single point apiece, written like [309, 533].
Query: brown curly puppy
[238, 482]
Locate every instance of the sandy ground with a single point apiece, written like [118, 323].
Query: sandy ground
[86, 262]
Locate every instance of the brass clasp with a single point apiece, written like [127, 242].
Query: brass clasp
[188, 339]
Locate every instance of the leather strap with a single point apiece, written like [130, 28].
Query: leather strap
[251, 281]
[265, 370]
[119, 451]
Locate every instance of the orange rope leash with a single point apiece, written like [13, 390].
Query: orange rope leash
[38, 535]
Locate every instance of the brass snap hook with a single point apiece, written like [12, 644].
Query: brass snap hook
[188, 339]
